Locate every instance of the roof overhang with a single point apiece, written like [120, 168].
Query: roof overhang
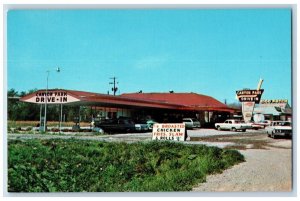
[79, 98]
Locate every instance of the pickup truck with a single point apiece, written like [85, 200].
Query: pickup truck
[233, 124]
[279, 128]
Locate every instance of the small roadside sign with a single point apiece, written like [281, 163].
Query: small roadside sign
[169, 131]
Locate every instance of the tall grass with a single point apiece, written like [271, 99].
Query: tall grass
[91, 166]
[16, 124]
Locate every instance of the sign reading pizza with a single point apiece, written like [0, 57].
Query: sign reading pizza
[51, 97]
[249, 95]
[172, 132]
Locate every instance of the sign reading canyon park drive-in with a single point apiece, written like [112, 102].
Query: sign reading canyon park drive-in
[172, 132]
[249, 95]
[52, 97]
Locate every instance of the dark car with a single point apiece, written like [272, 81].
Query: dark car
[141, 125]
[117, 125]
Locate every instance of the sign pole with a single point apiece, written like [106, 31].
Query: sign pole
[248, 99]
[259, 84]
[60, 119]
[41, 113]
[46, 96]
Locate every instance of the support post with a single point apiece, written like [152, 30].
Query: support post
[46, 96]
[60, 119]
[41, 113]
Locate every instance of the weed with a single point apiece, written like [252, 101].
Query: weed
[92, 166]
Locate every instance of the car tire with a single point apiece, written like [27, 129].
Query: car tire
[233, 129]
[244, 130]
[272, 135]
[218, 128]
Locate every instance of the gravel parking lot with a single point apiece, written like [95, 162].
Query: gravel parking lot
[268, 168]
[268, 165]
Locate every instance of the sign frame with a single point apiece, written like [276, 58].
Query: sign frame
[169, 132]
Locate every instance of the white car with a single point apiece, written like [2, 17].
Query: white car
[279, 128]
[233, 124]
[191, 123]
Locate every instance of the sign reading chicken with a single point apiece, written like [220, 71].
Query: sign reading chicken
[169, 131]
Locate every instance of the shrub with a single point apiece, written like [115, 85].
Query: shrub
[76, 166]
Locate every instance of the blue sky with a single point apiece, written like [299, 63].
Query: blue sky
[211, 52]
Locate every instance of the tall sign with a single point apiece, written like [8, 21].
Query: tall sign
[248, 98]
[249, 95]
[52, 96]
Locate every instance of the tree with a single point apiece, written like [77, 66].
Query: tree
[17, 110]
[235, 105]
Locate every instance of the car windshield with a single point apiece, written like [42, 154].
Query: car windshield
[285, 124]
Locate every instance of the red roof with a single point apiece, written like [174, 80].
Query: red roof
[177, 101]
[96, 99]
[184, 99]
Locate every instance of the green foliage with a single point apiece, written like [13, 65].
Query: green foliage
[80, 166]
[20, 110]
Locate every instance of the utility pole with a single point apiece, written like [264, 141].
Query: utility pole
[114, 89]
[46, 97]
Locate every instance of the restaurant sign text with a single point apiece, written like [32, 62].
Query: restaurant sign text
[169, 131]
[51, 97]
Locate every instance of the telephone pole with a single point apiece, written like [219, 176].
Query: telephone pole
[115, 88]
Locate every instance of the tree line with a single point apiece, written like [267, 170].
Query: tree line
[22, 111]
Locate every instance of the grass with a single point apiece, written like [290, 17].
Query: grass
[93, 166]
[17, 124]
[26, 126]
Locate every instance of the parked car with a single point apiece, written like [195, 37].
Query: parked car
[279, 128]
[141, 125]
[266, 123]
[233, 124]
[255, 125]
[191, 123]
[261, 124]
[116, 125]
[150, 123]
[98, 130]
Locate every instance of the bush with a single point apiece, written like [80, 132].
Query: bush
[28, 129]
[92, 166]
